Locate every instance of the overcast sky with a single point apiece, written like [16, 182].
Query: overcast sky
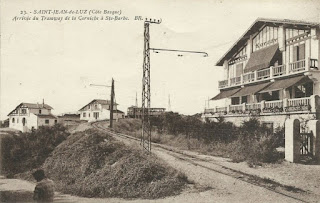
[56, 61]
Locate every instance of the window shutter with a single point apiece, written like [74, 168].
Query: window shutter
[302, 52]
[295, 53]
[239, 69]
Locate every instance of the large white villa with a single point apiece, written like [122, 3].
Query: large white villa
[271, 73]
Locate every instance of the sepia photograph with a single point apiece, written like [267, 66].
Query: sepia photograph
[160, 101]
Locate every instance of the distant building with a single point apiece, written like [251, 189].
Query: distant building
[117, 114]
[136, 112]
[4, 123]
[99, 109]
[27, 116]
[69, 119]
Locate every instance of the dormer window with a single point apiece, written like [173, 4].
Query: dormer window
[23, 111]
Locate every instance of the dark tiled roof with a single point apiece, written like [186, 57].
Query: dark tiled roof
[32, 106]
[117, 111]
[225, 94]
[36, 106]
[257, 24]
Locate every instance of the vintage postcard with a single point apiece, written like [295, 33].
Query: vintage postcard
[162, 101]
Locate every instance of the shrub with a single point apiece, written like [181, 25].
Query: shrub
[27, 151]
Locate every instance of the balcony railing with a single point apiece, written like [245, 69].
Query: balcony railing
[299, 102]
[271, 72]
[221, 109]
[286, 105]
[236, 108]
[279, 70]
[235, 81]
[273, 104]
[297, 66]
[253, 106]
[314, 64]
[223, 83]
[263, 74]
[248, 77]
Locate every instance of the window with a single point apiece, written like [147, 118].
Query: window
[39, 111]
[23, 111]
[12, 120]
[84, 115]
[235, 100]
[299, 52]
[271, 96]
[96, 115]
[24, 121]
[305, 90]
[89, 114]
[17, 120]
[46, 121]
[244, 99]
[239, 69]
[55, 121]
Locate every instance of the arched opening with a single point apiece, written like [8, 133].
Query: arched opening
[23, 121]
[12, 120]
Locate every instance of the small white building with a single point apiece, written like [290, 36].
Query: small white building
[27, 116]
[117, 114]
[98, 109]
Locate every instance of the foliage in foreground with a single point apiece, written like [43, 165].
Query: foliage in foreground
[93, 164]
[27, 151]
[252, 142]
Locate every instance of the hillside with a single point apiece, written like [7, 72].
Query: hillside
[93, 164]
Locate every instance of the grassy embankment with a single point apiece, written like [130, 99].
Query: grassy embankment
[251, 142]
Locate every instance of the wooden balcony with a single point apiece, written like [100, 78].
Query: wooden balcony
[306, 104]
[235, 81]
[271, 72]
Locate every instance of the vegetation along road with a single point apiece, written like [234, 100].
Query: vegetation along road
[218, 183]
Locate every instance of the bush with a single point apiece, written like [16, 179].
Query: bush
[251, 142]
[256, 144]
[27, 151]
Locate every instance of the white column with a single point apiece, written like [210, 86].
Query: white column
[292, 143]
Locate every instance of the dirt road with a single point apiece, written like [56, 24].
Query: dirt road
[223, 184]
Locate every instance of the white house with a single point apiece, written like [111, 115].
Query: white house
[271, 73]
[98, 109]
[27, 116]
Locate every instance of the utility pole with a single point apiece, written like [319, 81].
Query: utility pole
[169, 104]
[146, 95]
[146, 126]
[112, 99]
[111, 107]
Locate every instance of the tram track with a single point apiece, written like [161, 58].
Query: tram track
[287, 191]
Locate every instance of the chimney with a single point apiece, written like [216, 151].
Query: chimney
[42, 103]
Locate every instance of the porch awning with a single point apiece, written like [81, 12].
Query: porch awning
[250, 90]
[225, 94]
[261, 59]
[285, 83]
